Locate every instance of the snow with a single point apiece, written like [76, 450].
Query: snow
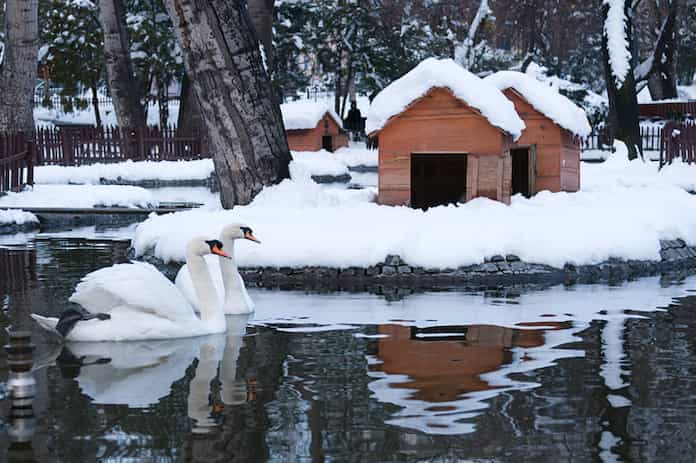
[544, 99]
[303, 224]
[47, 117]
[18, 217]
[129, 170]
[617, 171]
[444, 73]
[357, 155]
[79, 196]
[617, 42]
[306, 114]
[308, 163]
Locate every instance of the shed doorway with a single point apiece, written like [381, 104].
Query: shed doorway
[327, 143]
[437, 179]
[523, 171]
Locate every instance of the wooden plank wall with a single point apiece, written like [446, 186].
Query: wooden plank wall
[438, 123]
[311, 139]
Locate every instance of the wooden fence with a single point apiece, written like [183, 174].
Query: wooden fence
[668, 110]
[599, 139]
[73, 146]
[16, 162]
[678, 142]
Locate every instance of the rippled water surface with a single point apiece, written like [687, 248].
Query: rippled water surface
[590, 373]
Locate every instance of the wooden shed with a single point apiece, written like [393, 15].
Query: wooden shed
[444, 137]
[549, 148]
[311, 126]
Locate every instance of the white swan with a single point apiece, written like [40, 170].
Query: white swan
[229, 284]
[131, 302]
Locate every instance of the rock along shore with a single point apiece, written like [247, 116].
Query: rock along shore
[496, 272]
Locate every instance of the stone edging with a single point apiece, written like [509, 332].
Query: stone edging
[498, 271]
[12, 228]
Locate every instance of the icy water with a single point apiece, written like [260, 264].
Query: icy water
[591, 373]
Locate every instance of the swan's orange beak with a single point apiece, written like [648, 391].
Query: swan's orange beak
[220, 252]
[251, 237]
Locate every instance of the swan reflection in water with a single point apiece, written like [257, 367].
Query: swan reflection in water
[140, 374]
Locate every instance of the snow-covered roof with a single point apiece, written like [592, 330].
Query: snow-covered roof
[544, 99]
[306, 114]
[444, 73]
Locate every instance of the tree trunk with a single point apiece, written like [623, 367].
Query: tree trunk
[623, 102]
[18, 69]
[95, 104]
[261, 13]
[662, 80]
[244, 124]
[119, 70]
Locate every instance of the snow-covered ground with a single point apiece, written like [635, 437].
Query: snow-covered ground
[16, 217]
[308, 163]
[47, 117]
[623, 211]
[129, 170]
[80, 196]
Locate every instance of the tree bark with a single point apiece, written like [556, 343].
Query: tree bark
[244, 125]
[18, 69]
[261, 13]
[623, 101]
[662, 80]
[125, 94]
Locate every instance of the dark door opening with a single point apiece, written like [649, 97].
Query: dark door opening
[523, 171]
[437, 179]
[327, 143]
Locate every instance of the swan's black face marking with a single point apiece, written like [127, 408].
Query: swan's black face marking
[214, 244]
[71, 317]
[216, 248]
[249, 234]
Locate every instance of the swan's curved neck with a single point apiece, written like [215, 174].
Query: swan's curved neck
[210, 307]
[230, 272]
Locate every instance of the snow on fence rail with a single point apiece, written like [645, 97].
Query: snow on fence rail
[16, 162]
[678, 142]
[88, 145]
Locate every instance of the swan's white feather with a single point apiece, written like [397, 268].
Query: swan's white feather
[137, 285]
[47, 323]
[236, 306]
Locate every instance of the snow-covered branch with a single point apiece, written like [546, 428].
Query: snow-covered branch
[463, 52]
[617, 40]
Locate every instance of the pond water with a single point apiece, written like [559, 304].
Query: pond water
[589, 373]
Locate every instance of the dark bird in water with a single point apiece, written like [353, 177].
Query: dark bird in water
[70, 317]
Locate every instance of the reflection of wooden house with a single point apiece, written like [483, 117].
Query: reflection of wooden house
[442, 368]
[447, 136]
[311, 126]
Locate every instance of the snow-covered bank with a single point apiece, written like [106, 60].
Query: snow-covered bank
[322, 163]
[129, 171]
[302, 224]
[15, 221]
[80, 196]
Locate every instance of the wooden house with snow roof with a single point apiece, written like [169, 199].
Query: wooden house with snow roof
[312, 126]
[447, 136]
[549, 148]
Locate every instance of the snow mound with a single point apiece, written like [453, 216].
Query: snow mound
[307, 163]
[306, 114]
[353, 156]
[128, 170]
[618, 171]
[15, 216]
[544, 99]
[444, 73]
[304, 224]
[71, 196]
